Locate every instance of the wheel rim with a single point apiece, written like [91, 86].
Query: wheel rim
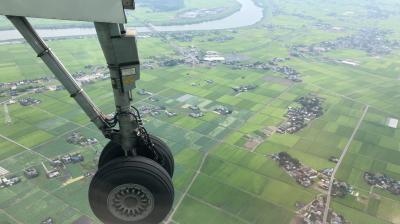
[130, 202]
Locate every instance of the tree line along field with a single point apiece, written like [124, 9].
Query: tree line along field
[235, 185]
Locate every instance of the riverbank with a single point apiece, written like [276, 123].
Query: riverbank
[249, 14]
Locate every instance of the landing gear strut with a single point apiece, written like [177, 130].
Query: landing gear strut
[133, 183]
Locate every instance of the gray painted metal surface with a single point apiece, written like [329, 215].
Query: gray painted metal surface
[62, 74]
[111, 11]
[121, 54]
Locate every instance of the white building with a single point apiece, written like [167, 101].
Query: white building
[3, 171]
[392, 122]
[213, 56]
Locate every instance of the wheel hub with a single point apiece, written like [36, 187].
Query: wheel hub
[130, 202]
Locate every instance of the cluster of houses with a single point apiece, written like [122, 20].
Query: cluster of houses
[97, 73]
[371, 40]
[339, 188]
[244, 88]
[143, 92]
[29, 101]
[184, 56]
[9, 181]
[77, 138]
[327, 27]
[375, 12]
[272, 65]
[160, 61]
[305, 176]
[28, 85]
[31, 172]
[178, 36]
[198, 13]
[213, 56]
[14, 85]
[220, 38]
[47, 220]
[238, 65]
[313, 213]
[298, 117]
[333, 159]
[67, 159]
[383, 181]
[45, 84]
[290, 73]
[186, 36]
[223, 110]
[195, 111]
[155, 111]
[60, 162]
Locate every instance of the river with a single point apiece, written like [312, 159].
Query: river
[249, 14]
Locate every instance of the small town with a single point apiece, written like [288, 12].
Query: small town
[9, 180]
[305, 176]
[88, 75]
[155, 111]
[195, 112]
[222, 110]
[371, 40]
[244, 88]
[299, 116]
[272, 65]
[383, 181]
[76, 138]
[29, 102]
[313, 213]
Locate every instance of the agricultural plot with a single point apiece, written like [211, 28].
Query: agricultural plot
[375, 149]
[224, 173]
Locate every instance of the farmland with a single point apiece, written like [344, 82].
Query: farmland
[218, 177]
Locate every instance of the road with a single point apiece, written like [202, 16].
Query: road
[169, 219]
[345, 150]
[24, 147]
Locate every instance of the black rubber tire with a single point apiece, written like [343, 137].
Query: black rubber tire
[139, 171]
[114, 150]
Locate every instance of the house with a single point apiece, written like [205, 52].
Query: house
[194, 107]
[31, 173]
[170, 114]
[9, 181]
[222, 110]
[3, 171]
[48, 220]
[213, 56]
[76, 158]
[196, 114]
[53, 174]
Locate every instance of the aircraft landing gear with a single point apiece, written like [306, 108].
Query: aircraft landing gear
[131, 190]
[133, 184]
[157, 150]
